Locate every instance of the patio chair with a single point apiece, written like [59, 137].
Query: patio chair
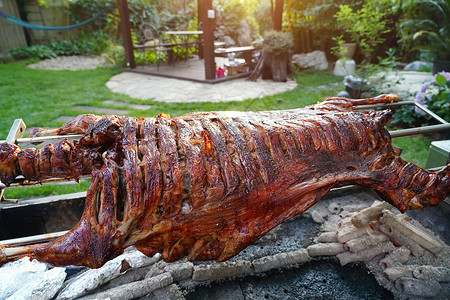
[150, 39]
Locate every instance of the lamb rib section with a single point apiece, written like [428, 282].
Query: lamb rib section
[206, 185]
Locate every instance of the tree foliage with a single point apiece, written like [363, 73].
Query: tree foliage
[365, 25]
[425, 26]
[231, 14]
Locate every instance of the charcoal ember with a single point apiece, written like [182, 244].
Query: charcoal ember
[396, 257]
[134, 289]
[365, 255]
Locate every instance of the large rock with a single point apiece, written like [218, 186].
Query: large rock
[229, 42]
[245, 36]
[419, 66]
[316, 60]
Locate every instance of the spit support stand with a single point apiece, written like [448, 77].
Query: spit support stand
[15, 136]
[444, 125]
[17, 130]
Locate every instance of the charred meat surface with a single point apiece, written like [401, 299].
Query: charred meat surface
[206, 185]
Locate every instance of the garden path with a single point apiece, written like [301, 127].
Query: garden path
[404, 83]
[163, 89]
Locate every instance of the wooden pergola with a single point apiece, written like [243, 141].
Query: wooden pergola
[206, 25]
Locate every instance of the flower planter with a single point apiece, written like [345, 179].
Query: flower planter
[348, 50]
[344, 67]
[441, 65]
[279, 67]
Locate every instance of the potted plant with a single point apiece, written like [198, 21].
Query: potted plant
[276, 58]
[344, 52]
[426, 27]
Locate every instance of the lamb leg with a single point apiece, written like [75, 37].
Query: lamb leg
[409, 187]
[95, 239]
[97, 130]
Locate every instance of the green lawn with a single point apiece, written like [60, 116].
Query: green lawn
[41, 96]
[414, 148]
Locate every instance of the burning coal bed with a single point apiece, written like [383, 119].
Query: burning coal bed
[350, 245]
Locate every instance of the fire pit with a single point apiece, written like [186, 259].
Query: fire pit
[286, 263]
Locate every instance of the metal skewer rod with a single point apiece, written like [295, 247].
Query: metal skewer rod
[420, 130]
[19, 183]
[41, 139]
[401, 103]
[32, 239]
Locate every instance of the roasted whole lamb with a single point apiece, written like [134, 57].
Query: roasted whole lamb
[206, 185]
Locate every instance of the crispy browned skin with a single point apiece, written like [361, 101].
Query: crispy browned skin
[206, 185]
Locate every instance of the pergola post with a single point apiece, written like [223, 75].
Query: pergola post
[124, 16]
[207, 19]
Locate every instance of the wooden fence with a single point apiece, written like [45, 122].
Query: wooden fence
[11, 35]
[53, 15]
[307, 40]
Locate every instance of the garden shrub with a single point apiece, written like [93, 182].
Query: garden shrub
[87, 43]
[434, 96]
[5, 58]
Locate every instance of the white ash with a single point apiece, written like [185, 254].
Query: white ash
[171, 292]
[325, 249]
[44, 287]
[17, 274]
[93, 278]
[134, 289]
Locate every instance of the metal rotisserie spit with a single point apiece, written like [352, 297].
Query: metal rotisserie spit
[207, 185]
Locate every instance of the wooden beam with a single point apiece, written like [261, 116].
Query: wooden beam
[277, 14]
[124, 15]
[200, 14]
[205, 10]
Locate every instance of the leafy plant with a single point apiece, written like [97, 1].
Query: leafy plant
[5, 58]
[231, 15]
[92, 42]
[426, 26]
[87, 43]
[35, 51]
[436, 96]
[64, 47]
[339, 51]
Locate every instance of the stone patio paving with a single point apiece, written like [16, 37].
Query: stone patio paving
[404, 83]
[147, 87]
